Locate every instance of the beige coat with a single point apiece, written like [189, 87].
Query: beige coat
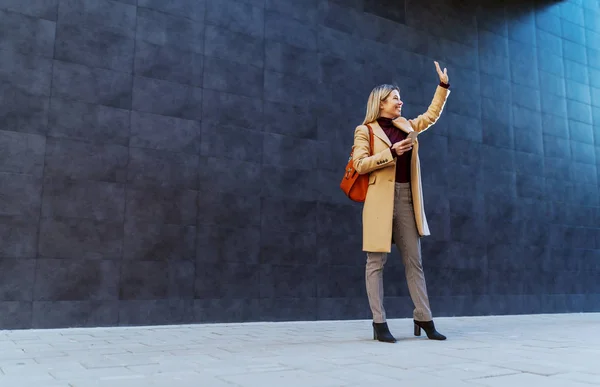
[378, 208]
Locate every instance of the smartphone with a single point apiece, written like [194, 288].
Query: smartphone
[412, 136]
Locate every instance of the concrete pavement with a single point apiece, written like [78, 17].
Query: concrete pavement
[546, 350]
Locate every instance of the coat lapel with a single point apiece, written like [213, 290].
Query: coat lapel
[377, 131]
[402, 124]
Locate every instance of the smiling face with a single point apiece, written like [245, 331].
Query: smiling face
[391, 107]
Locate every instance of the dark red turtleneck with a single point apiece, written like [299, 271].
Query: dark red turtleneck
[403, 161]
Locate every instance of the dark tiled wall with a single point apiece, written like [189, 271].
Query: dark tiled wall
[178, 161]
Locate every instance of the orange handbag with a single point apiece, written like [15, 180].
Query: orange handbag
[354, 185]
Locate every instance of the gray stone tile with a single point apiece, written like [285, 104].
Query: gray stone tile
[595, 96]
[287, 30]
[583, 153]
[27, 35]
[553, 84]
[28, 74]
[228, 244]
[554, 105]
[594, 76]
[80, 239]
[279, 87]
[579, 92]
[103, 49]
[70, 280]
[16, 275]
[549, 41]
[229, 280]
[88, 122]
[167, 98]
[155, 312]
[249, 111]
[150, 168]
[242, 210]
[237, 16]
[573, 32]
[23, 112]
[54, 314]
[496, 65]
[306, 11]
[593, 54]
[79, 160]
[44, 9]
[93, 85]
[22, 153]
[584, 173]
[576, 71]
[149, 131]
[279, 114]
[15, 315]
[193, 9]
[578, 111]
[283, 182]
[526, 97]
[226, 76]
[162, 29]
[470, 129]
[282, 151]
[151, 241]
[338, 44]
[102, 15]
[234, 46]
[19, 236]
[591, 22]
[276, 214]
[291, 60]
[83, 199]
[21, 195]
[162, 205]
[575, 52]
[168, 63]
[558, 126]
[229, 175]
[230, 142]
[144, 280]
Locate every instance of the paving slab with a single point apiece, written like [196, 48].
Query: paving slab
[550, 350]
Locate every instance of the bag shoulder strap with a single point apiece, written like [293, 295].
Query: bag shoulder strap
[370, 139]
[370, 142]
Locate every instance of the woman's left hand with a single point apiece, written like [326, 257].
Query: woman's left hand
[443, 75]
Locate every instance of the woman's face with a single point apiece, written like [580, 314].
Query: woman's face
[391, 107]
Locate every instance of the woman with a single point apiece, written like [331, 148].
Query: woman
[393, 209]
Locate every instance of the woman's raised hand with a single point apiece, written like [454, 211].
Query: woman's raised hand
[443, 75]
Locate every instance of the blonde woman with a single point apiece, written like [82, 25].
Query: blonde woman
[393, 209]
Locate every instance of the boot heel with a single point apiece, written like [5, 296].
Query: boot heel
[417, 330]
[381, 332]
[429, 329]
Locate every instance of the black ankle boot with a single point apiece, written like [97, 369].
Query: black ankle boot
[429, 328]
[381, 332]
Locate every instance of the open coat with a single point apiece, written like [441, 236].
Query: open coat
[378, 209]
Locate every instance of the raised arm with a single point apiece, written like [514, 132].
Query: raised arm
[425, 120]
[363, 162]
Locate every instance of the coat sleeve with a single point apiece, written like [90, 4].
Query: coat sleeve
[363, 163]
[425, 120]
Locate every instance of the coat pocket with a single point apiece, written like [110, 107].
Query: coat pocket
[372, 178]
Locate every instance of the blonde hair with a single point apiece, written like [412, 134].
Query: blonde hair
[378, 94]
